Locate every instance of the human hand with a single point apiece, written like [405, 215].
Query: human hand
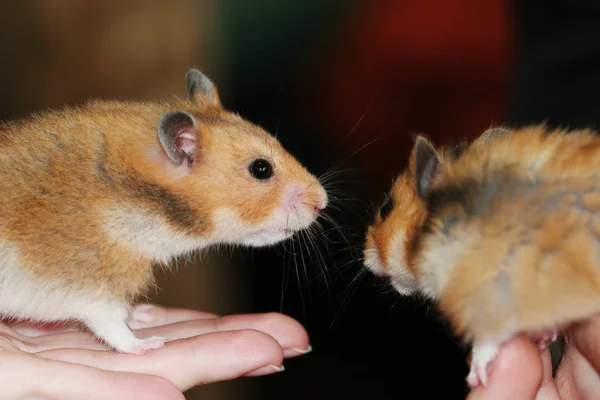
[68, 363]
[520, 373]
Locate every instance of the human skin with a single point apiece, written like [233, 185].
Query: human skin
[66, 362]
[520, 373]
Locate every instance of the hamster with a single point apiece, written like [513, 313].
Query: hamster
[404, 211]
[93, 196]
[505, 237]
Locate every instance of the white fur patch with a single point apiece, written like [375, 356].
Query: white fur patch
[401, 276]
[149, 234]
[229, 228]
[289, 217]
[373, 261]
[398, 273]
[22, 295]
[483, 354]
[438, 259]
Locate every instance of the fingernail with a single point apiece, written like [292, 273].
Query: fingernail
[267, 370]
[294, 351]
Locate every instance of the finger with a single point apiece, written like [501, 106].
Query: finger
[72, 340]
[189, 362]
[516, 373]
[149, 315]
[575, 377]
[33, 329]
[292, 336]
[32, 377]
[40, 337]
[14, 340]
[548, 389]
[584, 336]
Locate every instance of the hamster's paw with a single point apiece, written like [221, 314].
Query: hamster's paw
[140, 316]
[141, 346]
[544, 338]
[483, 354]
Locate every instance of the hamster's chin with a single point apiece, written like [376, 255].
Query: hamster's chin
[401, 287]
[267, 237]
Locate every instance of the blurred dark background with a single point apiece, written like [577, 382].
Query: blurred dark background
[344, 85]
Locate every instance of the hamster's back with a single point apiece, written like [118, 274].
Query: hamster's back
[521, 253]
[53, 174]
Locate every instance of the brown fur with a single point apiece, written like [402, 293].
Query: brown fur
[408, 213]
[58, 170]
[521, 214]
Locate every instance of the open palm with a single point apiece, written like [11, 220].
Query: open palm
[67, 362]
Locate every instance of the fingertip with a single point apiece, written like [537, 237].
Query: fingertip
[289, 333]
[262, 348]
[516, 373]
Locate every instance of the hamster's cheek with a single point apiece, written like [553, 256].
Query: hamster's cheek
[401, 277]
[372, 258]
[230, 228]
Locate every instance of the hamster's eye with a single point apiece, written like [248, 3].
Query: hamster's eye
[386, 209]
[261, 169]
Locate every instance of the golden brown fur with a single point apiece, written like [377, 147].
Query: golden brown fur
[525, 210]
[506, 238]
[60, 168]
[388, 239]
[90, 198]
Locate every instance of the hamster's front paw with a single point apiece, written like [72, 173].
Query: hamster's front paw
[483, 354]
[543, 339]
[108, 321]
[141, 346]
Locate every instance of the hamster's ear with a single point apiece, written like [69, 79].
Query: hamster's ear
[200, 88]
[427, 166]
[493, 132]
[178, 136]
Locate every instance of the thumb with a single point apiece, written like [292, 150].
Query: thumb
[516, 373]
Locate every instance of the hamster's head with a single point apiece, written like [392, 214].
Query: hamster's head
[240, 182]
[399, 218]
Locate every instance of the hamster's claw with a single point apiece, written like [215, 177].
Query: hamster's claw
[542, 340]
[483, 354]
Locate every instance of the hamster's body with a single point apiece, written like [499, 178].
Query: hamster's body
[510, 240]
[92, 196]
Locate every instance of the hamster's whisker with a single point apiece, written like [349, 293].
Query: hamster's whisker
[311, 235]
[277, 127]
[298, 278]
[300, 235]
[317, 262]
[360, 120]
[286, 267]
[335, 224]
[348, 294]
